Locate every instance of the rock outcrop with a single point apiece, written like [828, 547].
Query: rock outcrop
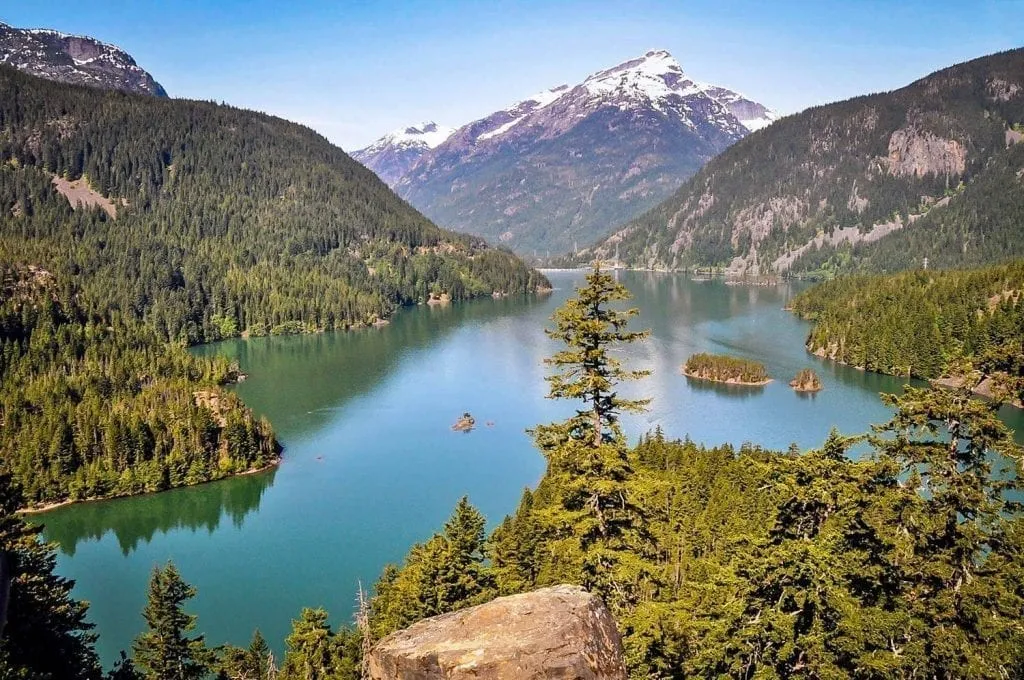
[74, 59]
[559, 632]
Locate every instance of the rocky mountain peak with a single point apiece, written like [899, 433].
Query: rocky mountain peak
[395, 153]
[655, 74]
[568, 163]
[74, 59]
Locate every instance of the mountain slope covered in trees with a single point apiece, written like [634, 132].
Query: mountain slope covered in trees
[880, 182]
[191, 222]
[226, 220]
[916, 323]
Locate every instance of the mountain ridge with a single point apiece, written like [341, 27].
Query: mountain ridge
[878, 182]
[74, 59]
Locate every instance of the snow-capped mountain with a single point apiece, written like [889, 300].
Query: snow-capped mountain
[569, 164]
[394, 154]
[75, 59]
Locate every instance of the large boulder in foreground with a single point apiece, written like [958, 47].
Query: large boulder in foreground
[559, 632]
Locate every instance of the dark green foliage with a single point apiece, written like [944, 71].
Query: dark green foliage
[235, 221]
[916, 323]
[96, 406]
[838, 166]
[251, 663]
[315, 652]
[164, 651]
[46, 636]
[725, 368]
[443, 574]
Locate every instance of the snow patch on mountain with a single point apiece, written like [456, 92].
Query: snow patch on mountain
[428, 135]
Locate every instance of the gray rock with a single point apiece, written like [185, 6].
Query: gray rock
[559, 632]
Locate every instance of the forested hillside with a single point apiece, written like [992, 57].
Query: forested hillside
[916, 323]
[95, 406]
[192, 222]
[227, 220]
[874, 183]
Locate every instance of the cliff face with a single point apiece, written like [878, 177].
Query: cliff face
[559, 632]
[74, 59]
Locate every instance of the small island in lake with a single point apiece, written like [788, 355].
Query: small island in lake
[465, 423]
[806, 380]
[726, 369]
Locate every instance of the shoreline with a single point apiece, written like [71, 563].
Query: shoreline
[39, 509]
[982, 389]
[728, 381]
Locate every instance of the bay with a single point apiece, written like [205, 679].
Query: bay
[371, 464]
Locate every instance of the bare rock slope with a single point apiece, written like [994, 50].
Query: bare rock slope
[559, 632]
[74, 59]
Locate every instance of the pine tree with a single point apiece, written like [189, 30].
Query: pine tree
[164, 651]
[588, 464]
[46, 634]
[961, 566]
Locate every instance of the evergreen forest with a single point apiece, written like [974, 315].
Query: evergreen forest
[219, 222]
[917, 323]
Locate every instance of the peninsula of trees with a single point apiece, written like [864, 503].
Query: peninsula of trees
[726, 369]
[916, 323]
[192, 222]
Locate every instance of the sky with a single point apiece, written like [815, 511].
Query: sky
[356, 70]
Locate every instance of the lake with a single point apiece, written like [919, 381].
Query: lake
[371, 464]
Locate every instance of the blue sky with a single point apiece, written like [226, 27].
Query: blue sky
[355, 70]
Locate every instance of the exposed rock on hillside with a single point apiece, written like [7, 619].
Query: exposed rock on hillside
[559, 632]
[74, 59]
[881, 182]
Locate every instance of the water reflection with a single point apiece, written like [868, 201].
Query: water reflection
[730, 390]
[321, 373]
[137, 521]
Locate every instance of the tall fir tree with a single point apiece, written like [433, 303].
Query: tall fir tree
[165, 651]
[588, 463]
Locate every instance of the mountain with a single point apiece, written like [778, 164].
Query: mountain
[394, 154]
[927, 175]
[234, 219]
[131, 226]
[569, 163]
[74, 59]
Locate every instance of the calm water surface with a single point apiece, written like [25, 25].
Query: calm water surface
[371, 465]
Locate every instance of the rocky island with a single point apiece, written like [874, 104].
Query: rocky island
[727, 369]
[806, 380]
[465, 423]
